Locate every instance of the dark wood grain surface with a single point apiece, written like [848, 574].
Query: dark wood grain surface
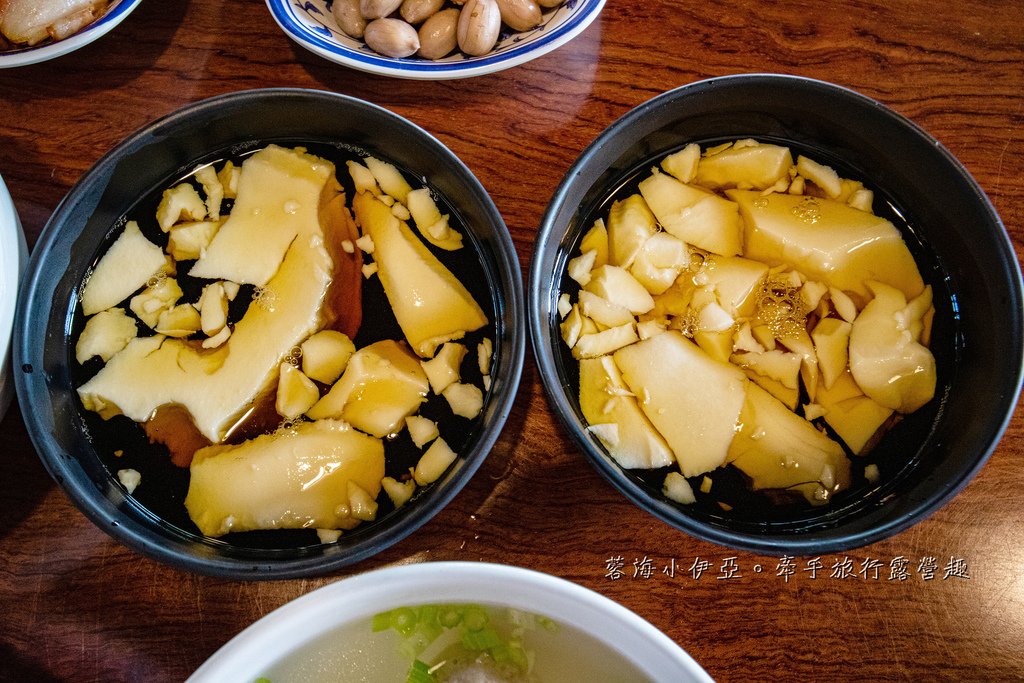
[77, 606]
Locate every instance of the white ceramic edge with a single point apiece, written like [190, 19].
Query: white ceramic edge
[439, 74]
[13, 257]
[252, 652]
[98, 29]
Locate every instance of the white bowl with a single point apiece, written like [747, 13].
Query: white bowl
[356, 599]
[40, 53]
[312, 26]
[13, 256]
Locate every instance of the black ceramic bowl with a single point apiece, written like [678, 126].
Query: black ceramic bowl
[75, 445]
[951, 228]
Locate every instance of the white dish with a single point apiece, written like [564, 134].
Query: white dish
[13, 257]
[311, 25]
[40, 53]
[279, 634]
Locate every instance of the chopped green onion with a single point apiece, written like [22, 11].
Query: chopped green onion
[381, 622]
[517, 654]
[500, 654]
[547, 624]
[429, 630]
[428, 624]
[484, 639]
[403, 620]
[433, 628]
[262, 679]
[475, 618]
[449, 616]
[419, 673]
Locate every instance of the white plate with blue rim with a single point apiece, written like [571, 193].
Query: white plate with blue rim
[311, 24]
[23, 56]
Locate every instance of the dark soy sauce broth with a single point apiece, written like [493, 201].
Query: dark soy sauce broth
[731, 499]
[164, 485]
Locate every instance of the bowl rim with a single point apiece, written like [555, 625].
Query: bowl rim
[304, 619]
[107, 515]
[579, 18]
[41, 53]
[539, 335]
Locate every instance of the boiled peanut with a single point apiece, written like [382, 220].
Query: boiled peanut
[479, 24]
[349, 18]
[375, 9]
[391, 37]
[438, 34]
[520, 15]
[417, 11]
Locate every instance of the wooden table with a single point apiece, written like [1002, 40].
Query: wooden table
[77, 606]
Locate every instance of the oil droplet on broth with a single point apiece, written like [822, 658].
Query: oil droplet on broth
[265, 298]
[780, 307]
[808, 210]
[688, 324]
[157, 279]
[696, 261]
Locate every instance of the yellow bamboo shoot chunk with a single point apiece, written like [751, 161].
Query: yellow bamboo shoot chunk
[382, 385]
[778, 449]
[596, 239]
[155, 299]
[679, 387]
[759, 166]
[129, 262]
[105, 334]
[296, 393]
[606, 400]
[434, 462]
[188, 241]
[432, 225]
[856, 419]
[465, 400]
[422, 430]
[444, 368]
[694, 215]
[886, 359]
[181, 202]
[279, 194]
[827, 241]
[398, 491]
[430, 304]
[298, 478]
[325, 355]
